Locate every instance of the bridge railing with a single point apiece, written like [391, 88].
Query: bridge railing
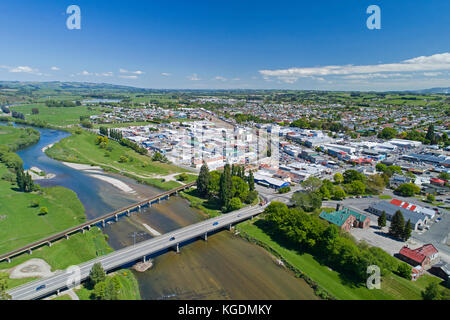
[90, 223]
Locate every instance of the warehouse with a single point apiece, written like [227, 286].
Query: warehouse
[417, 220]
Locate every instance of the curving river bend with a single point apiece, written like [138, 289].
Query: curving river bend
[224, 267]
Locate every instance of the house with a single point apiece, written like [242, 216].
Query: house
[424, 256]
[346, 219]
[396, 180]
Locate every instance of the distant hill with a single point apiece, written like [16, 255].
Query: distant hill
[73, 86]
[434, 90]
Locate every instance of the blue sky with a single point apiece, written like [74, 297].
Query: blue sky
[229, 44]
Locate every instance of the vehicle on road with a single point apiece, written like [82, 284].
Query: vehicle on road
[215, 223]
[171, 239]
[438, 219]
[42, 286]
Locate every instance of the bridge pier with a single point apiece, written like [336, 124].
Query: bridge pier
[149, 204]
[177, 248]
[139, 207]
[83, 230]
[144, 259]
[128, 213]
[89, 228]
[230, 226]
[103, 223]
[67, 236]
[205, 236]
[49, 244]
[30, 251]
[8, 260]
[116, 217]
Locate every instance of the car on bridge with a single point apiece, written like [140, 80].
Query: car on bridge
[171, 239]
[215, 223]
[40, 287]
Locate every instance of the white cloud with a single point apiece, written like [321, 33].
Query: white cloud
[220, 78]
[194, 77]
[128, 77]
[22, 69]
[166, 74]
[84, 73]
[132, 72]
[104, 74]
[432, 74]
[55, 68]
[419, 64]
[236, 79]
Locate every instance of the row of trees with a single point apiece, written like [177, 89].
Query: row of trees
[230, 187]
[112, 133]
[18, 115]
[24, 181]
[336, 249]
[134, 146]
[317, 124]
[62, 104]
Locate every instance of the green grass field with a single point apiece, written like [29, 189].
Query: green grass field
[211, 208]
[15, 138]
[21, 224]
[393, 287]
[81, 148]
[56, 116]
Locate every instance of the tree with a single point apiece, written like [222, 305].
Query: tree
[325, 192]
[24, 180]
[431, 197]
[35, 111]
[111, 290]
[380, 167]
[234, 204]
[404, 270]
[339, 194]
[226, 186]
[4, 287]
[357, 187]
[43, 211]
[431, 292]
[312, 184]
[352, 175]
[307, 201]
[239, 188]
[203, 180]
[397, 225]
[251, 181]
[407, 231]
[97, 274]
[431, 136]
[387, 133]
[338, 178]
[407, 189]
[214, 184]
[183, 177]
[100, 290]
[444, 176]
[382, 220]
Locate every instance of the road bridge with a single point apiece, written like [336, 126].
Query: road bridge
[174, 239]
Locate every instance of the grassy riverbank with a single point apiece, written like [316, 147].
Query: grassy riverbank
[18, 138]
[209, 207]
[81, 148]
[393, 287]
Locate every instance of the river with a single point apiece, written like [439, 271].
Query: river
[224, 267]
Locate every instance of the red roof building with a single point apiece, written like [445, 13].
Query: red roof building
[424, 256]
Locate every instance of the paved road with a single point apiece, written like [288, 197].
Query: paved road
[133, 253]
